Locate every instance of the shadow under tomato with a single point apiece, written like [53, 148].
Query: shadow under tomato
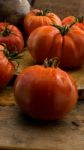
[28, 120]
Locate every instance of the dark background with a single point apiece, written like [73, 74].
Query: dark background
[62, 8]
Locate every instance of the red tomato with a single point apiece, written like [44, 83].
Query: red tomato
[68, 20]
[79, 21]
[66, 43]
[45, 93]
[7, 69]
[36, 18]
[12, 37]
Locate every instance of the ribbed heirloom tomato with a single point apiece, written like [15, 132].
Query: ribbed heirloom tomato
[64, 42]
[45, 93]
[79, 21]
[7, 67]
[36, 18]
[11, 36]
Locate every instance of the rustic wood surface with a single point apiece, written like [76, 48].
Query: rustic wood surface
[19, 132]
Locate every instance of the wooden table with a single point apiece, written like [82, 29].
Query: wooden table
[19, 132]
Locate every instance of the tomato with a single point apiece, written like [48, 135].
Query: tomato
[7, 68]
[45, 93]
[64, 42]
[79, 21]
[68, 20]
[36, 18]
[11, 36]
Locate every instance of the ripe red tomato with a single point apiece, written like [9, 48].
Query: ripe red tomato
[11, 36]
[66, 43]
[7, 68]
[36, 18]
[79, 21]
[45, 93]
[68, 20]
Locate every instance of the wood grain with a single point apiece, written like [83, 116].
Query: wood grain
[18, 131]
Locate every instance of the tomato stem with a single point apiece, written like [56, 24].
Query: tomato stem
[6, 31]
[43, 12]
[64, 29]
[53, 62]
[11, 55]
[80, 19]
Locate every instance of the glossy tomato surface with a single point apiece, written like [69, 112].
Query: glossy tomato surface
[70, 19]
[45, 93]
[12, 37]
[7, 69]
[48, 42]
[36, 18]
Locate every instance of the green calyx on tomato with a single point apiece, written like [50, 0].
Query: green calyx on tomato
[80, 19]
[53, 62]
[6, 31]
[11, 55]
[64, 29]
[43, 12]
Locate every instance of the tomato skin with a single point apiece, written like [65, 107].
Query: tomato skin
[14, 39]
[33, 21]
[48, 42]
[7, 69]
[68, 20]
[45, 93]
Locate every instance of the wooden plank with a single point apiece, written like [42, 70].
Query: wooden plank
[18, 131]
